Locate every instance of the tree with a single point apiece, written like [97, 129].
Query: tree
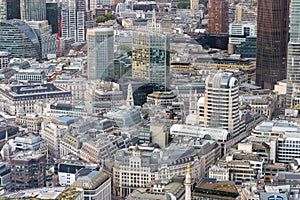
[183, 5]
[101, 19]
[105, 18]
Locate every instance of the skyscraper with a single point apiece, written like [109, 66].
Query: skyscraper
[73, 19]
[151, 55]
[33, 10]
[293, 65]
[272, 41]
[217, 16]
[9, 9]
[100, 53]
[220, 105]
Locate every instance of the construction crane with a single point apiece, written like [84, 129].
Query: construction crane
[58, 37]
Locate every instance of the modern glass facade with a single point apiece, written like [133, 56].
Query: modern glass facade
[100, 53]
[151, 57]
[293, 66]
[33, 10]
[19, 39]
[272, 40]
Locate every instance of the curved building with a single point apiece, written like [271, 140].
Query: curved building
[19, 39]
[220, 107]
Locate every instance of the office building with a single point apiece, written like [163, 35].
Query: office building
[28, 170]
[68, 171]
[220, 105]
[218, 16]
[209, 188]
[239, 31]
[23, 98]
[73, 20]
[33, 10]
[151, 57]
[247, 49]
[47, 40]
[244, 12]
[135, 166]
[53, 130]
[9, 9]
[48, 193]
[5, 176]
[53, 11]
[293, 65]
[272, 42]
[19, 39]
[4, 60]
[95, 184]
[100, 53]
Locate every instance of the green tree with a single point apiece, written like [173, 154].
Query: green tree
[183, 5]
[101, 19]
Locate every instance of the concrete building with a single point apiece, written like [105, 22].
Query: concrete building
[95, 184]
[31, 122]
[244, 12]
[160, 189]
[103, 148]
[28, 170]
[100, 53]
[24, 97]
[4, 60]
[28, 142]
[220, 105]
[68, 171]
[49, 193]
[73, 20]
[208, 188]
[5, 176]
[218, 16]
[136, 166]
[75, 84]
[151, 56]
[239, 31]
[219, 173]
[33, 10]
[53, 130]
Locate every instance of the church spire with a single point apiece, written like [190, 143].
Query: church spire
[129, 99]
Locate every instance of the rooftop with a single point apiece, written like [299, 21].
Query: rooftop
[46, 193]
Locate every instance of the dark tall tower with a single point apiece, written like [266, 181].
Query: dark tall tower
[13, 9]
[218, 16]
[272, 42]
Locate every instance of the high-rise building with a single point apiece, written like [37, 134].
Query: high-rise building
[238, 31]
[73, 19]
[28, 170]
[243, 12]
[151, 54]
[33, 10]
[100, 53]
[220, 105]
[19, 39]
[272, 42]
[293, 65]
[47, 40]
[53, 15]
[9, 9]
[217, 16]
